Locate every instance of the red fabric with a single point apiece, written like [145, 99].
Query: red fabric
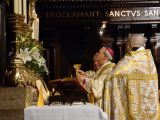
[110, 51]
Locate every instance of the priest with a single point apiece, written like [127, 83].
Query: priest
[94, 83]
[133, 91]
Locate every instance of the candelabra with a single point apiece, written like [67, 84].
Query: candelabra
[17, 74]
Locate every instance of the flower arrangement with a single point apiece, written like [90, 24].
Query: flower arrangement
[31, 52]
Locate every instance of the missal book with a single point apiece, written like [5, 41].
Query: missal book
[67, 90]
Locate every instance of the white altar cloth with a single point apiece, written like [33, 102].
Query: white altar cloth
[64, 112]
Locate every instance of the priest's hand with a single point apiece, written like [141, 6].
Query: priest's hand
[82, 73]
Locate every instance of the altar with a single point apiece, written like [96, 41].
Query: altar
[76, 111]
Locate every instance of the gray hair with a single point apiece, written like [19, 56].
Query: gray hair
[136, 40]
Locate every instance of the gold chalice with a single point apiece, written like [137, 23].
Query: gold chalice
[77, 67]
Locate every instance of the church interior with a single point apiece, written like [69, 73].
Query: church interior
[70, 32]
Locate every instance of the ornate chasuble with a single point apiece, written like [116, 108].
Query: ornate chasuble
[131, 92]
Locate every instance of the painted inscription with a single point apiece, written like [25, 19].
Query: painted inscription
[134, 13]
[153, 12]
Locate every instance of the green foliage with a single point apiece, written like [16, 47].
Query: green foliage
[31, 52]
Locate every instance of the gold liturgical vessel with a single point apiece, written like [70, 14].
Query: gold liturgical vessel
[77, 67]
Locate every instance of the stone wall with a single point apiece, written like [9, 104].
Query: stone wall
[13, 100]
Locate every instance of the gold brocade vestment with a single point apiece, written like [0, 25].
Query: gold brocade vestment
[131, 91]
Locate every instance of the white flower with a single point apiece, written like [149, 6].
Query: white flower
[24, 55]
[30, 53]
[35, 53]
[41, 61]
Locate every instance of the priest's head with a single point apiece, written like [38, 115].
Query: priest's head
[102, 56]
[134, 42]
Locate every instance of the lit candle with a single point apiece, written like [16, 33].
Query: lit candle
[20, 6]
[25, 10]
[16, 6]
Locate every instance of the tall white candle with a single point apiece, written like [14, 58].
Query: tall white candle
[15, 6]
[36, 28]
[20, 6]
[25, 10]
